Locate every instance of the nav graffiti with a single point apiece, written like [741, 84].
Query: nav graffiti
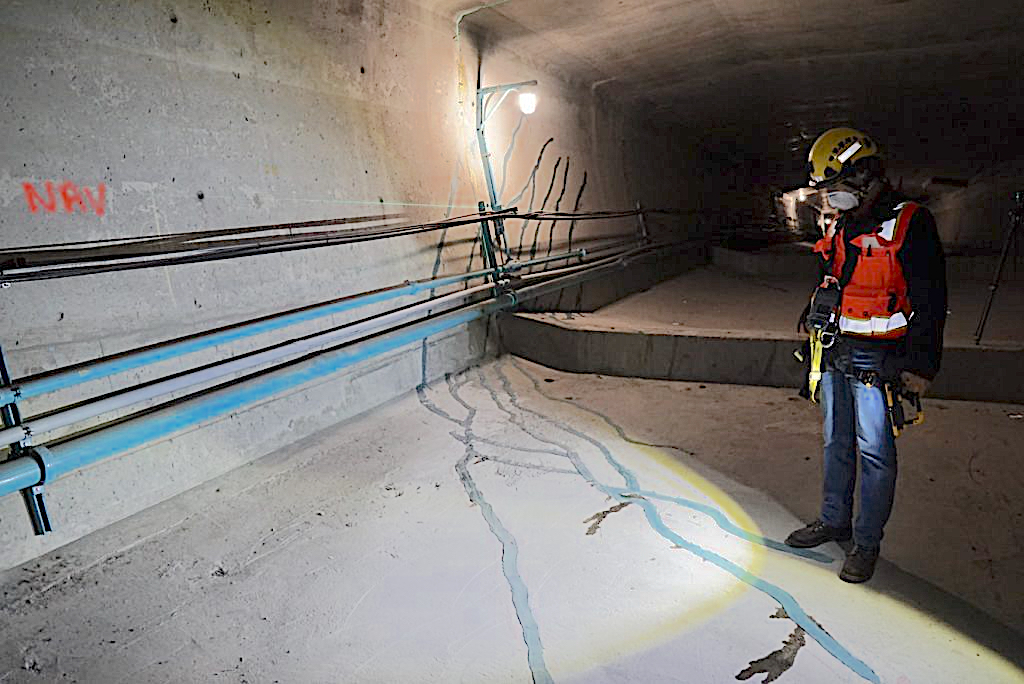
[72, 198]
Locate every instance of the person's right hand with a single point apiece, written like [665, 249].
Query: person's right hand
[915, 383]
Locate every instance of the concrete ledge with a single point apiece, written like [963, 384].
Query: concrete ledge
[975, 373]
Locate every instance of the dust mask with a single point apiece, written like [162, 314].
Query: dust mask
[842, 200]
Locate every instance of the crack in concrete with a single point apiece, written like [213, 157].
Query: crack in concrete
[509, 546]
[598, 518]
[720, 519]
[782, 597]
[517, 464]
[612, 424]
[780, 660]
[634, 493]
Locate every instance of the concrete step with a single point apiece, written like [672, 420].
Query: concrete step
[592, 344]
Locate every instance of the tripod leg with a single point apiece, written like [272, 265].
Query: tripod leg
[1015, 220]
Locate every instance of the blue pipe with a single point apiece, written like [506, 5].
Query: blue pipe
[63, 458]
[23, 472]
[102, 369]
[171, 350]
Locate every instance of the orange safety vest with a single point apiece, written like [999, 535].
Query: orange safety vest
[874, 303]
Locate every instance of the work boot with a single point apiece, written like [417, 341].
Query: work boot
[859, 565]
[816, 534]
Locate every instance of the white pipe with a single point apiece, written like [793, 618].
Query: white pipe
[347, 333]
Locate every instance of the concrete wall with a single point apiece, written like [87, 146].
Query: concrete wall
[203, 114]
[975, 218]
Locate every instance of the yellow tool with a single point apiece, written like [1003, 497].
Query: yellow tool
[895, 396]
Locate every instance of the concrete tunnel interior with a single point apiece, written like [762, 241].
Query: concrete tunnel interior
[425, 340]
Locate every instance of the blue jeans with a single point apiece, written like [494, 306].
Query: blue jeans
[855, 410]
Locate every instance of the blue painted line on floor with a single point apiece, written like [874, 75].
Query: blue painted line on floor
[727, 525]
[784, 598]
[510, 568]
[717, 515]
[509, 546]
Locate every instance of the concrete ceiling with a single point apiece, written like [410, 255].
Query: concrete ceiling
[937, 81]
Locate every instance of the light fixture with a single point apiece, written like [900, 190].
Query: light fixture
[527, 103]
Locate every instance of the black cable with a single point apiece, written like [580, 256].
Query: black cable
[558, 202]
[531, 183]
[241, 248]
[575, 209]
[547, 196]
[100, 260]
[572, 227]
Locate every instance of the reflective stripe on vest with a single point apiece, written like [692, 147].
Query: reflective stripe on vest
[876, 326]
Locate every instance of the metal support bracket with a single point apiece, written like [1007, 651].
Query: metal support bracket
[34, 497]
[36, 505]
[487, 245]
[641, 224]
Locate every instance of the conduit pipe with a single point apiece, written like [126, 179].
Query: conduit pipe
[119, 400]
[572, 276]
[24, 472]
[60, 459]
[71, 376]
[23, 264]
[103, 262]
[63, 252]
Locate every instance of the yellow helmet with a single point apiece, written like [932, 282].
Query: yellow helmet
[834, 152]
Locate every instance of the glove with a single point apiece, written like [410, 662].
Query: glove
[914, 383]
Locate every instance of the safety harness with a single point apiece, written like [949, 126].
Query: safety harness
[864, 294]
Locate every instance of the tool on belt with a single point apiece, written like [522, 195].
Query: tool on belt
[897, 401]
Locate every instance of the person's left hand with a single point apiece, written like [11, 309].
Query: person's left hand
[915, 383]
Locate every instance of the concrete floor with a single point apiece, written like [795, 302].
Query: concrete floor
[519, 523]
[717, 298]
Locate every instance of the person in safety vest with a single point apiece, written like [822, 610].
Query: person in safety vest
[883, 284]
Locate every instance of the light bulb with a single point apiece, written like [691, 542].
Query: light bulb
[527, 103]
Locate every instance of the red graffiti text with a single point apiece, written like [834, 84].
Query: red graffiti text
[72, 198]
